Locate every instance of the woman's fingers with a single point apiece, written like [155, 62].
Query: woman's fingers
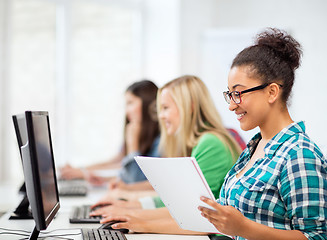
[211, 203]
[118, 218]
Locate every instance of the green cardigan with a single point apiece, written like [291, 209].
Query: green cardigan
[214, 159]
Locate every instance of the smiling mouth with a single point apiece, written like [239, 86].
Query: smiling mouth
[167, 124]
[240, 116]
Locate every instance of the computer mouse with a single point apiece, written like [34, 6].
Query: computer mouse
[109, 224]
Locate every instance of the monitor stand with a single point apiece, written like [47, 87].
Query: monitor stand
[34, 235]
[22, 189]
[22, 211]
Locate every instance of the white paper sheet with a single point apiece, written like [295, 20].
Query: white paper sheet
[180, 183]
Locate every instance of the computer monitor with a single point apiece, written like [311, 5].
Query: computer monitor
[68, 188]
[22, 211]
[39, 171]
[20, 129]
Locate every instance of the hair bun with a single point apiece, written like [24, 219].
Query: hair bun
[284, 46]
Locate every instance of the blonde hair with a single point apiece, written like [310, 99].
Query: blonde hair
[198, 115]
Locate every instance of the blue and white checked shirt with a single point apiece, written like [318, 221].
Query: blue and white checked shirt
[287, 188]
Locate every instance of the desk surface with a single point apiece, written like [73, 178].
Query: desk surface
[61, 225]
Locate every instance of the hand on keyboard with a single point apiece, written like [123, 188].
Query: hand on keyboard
[109, 210]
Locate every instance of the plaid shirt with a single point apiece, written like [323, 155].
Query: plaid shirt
[287, 188]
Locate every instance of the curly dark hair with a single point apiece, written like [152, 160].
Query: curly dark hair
[273, 58]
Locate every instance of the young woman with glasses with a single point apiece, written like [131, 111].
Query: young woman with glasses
[278, 187]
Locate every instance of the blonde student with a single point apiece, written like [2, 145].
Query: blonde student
[190, 126]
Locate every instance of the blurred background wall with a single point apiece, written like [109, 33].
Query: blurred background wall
[75, 58]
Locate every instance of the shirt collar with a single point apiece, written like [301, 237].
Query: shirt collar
[278, 139]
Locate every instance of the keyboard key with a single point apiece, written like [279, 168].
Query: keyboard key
[102, 234]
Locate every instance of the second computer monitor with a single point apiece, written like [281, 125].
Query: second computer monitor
[22, 211]
[20, 129]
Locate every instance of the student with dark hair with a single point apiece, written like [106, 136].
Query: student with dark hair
[278, 187]
[141, 137]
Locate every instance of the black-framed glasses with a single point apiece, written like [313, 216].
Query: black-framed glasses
[236, 95]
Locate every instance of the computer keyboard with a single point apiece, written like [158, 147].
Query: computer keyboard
[72, 188]
[81, 214]
[102, 234]
[73, 191]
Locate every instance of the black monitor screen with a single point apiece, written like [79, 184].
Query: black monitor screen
[39, 171]
[45, 163]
